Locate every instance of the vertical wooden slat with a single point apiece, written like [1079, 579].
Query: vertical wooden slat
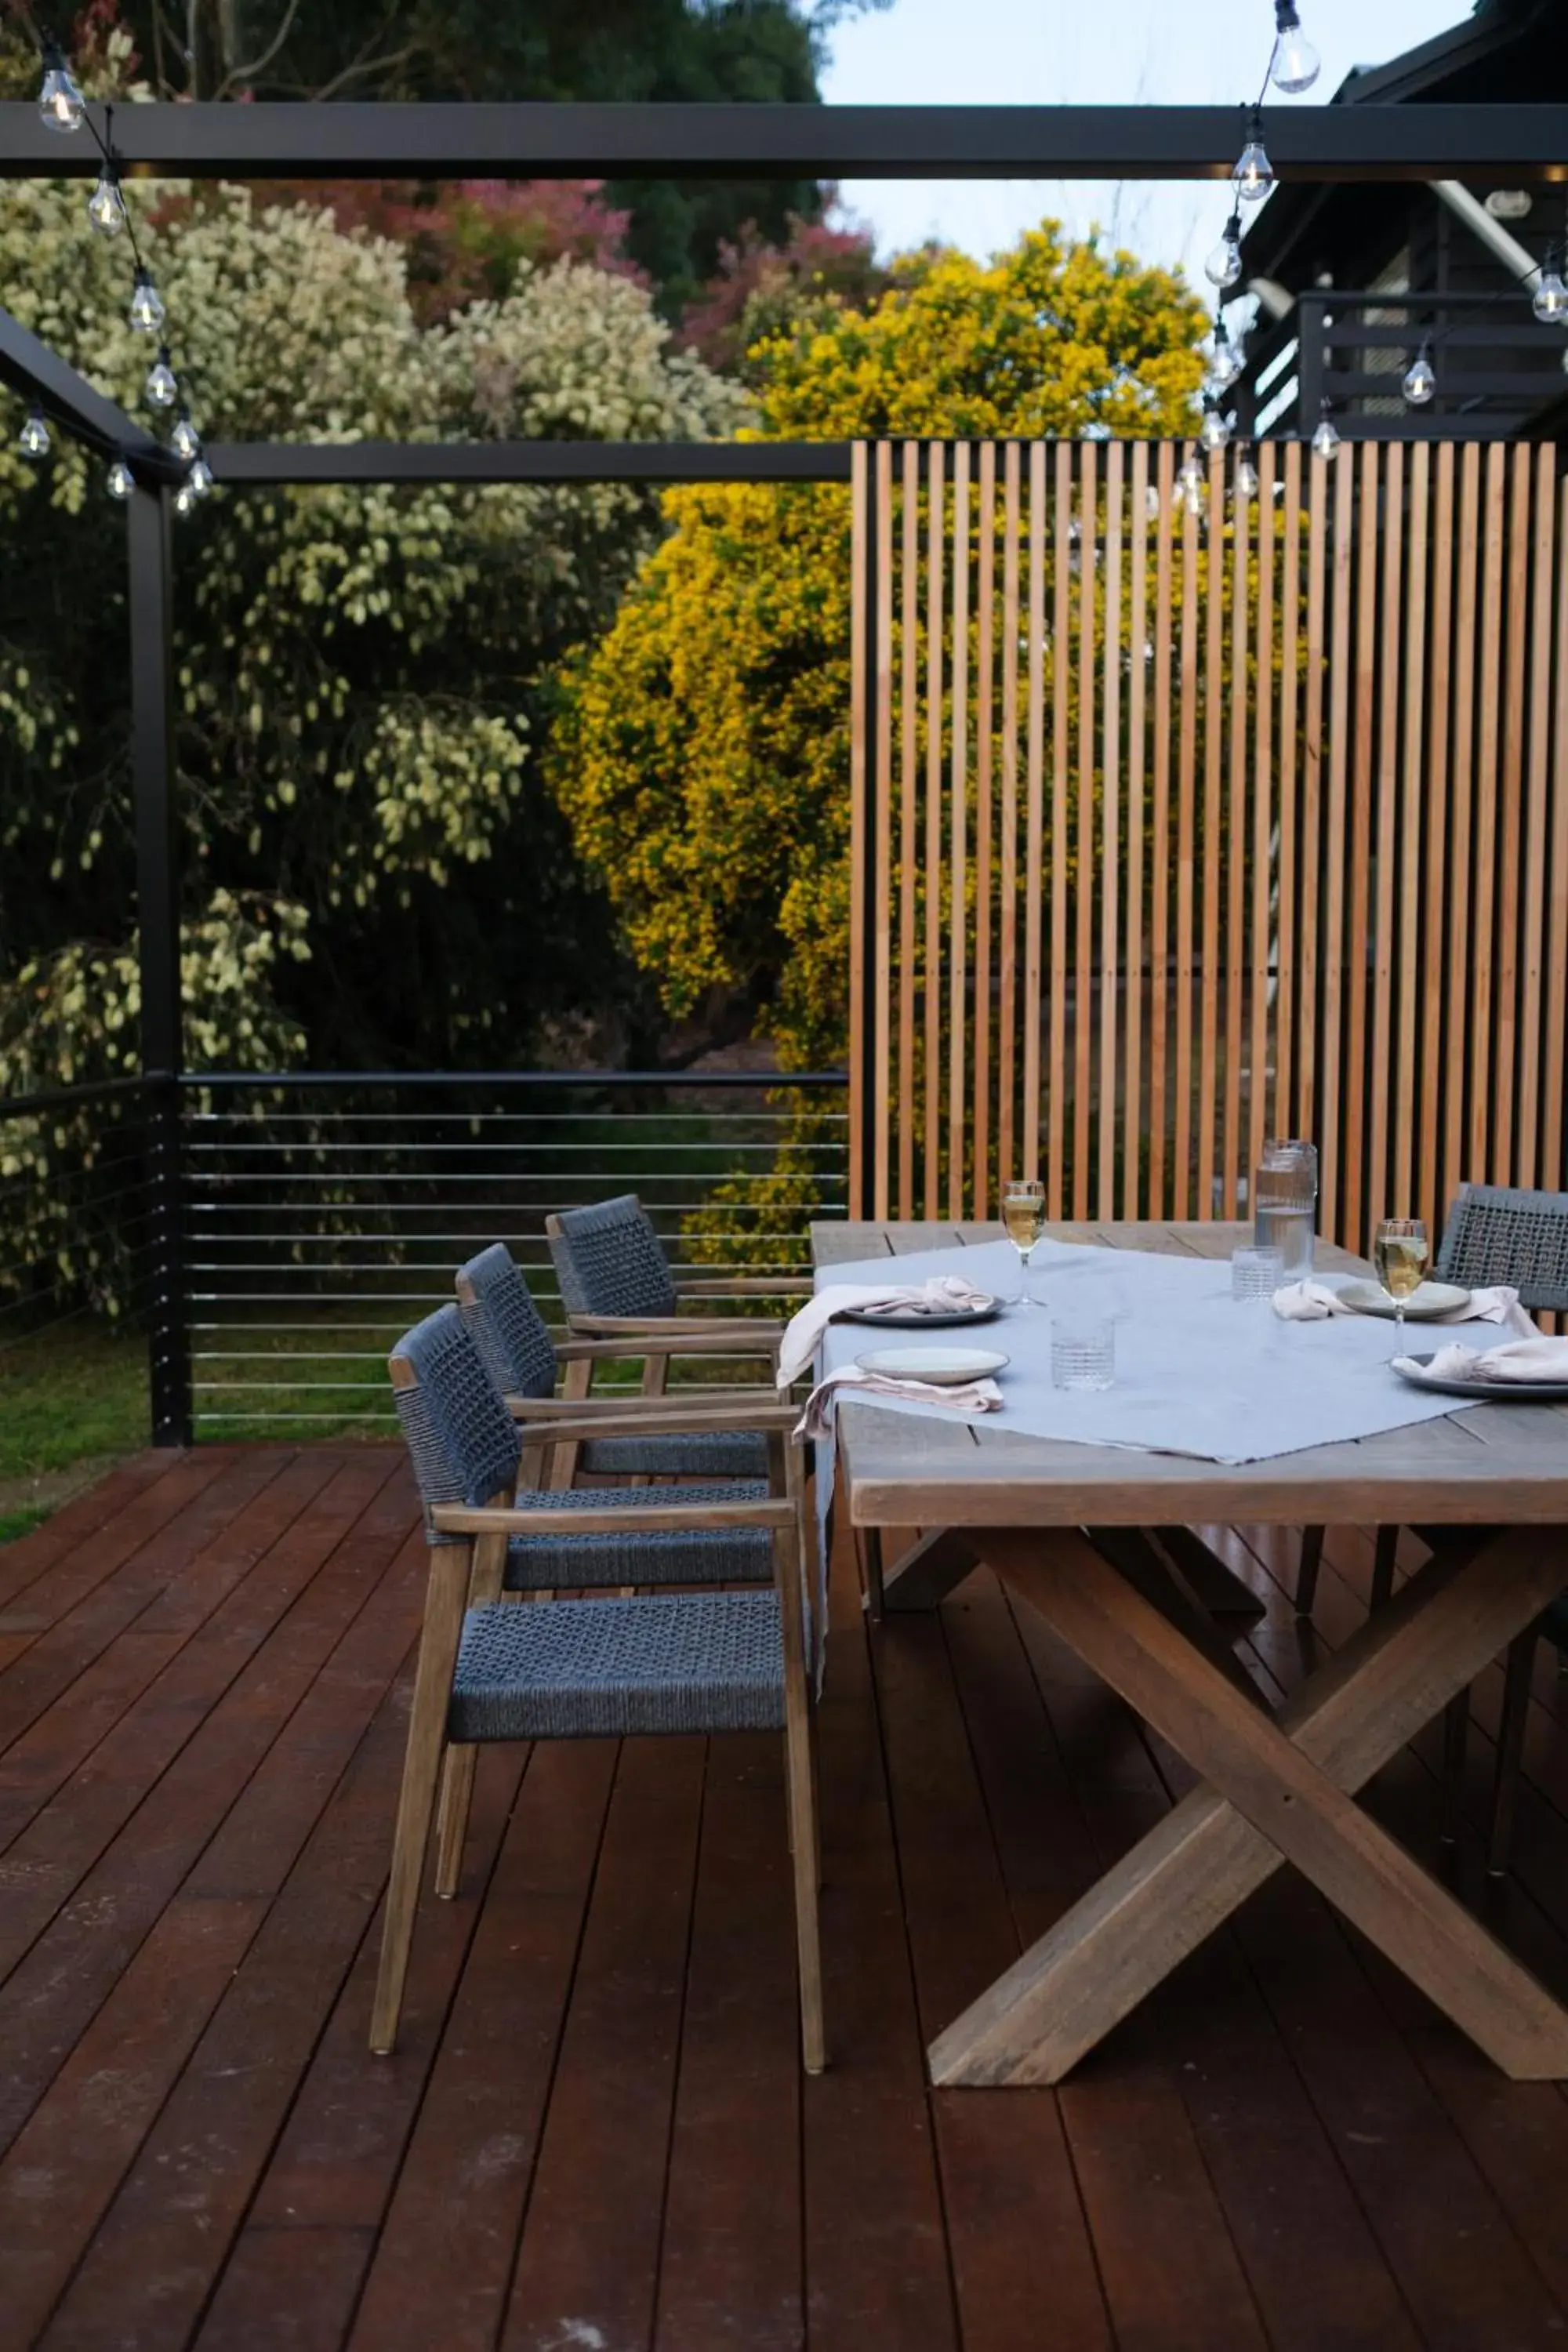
[1211, 982]
[1440, 882]
[1132, 1131]
[1056, 1082]
[1008, 1048]
[1556, 1044]
[1332, 854]
[1380, 1106]
[1265, 863]
[1110, 830]
[1285, 1120]
[1160, 841]
[985, 680]
[1457, 1057]
[1410, 846]
[1306, 1121]
[882, 1041]
[1359, 941]
[958, 919]
[860, 689]
[1235, 848]
[1489, 683]
[909, 818]
[936, 540]
[1534, 875]
[1083, 862]
[1034, 816]
[1186, 842]
[1511, 796]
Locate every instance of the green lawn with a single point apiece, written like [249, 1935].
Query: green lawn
[72, 1401]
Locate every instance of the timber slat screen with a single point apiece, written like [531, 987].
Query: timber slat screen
[1318, 882]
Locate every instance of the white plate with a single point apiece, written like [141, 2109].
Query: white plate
[1431, 1299]
[945, 1367]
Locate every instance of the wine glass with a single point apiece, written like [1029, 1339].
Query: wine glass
[1023, 1215]
[1399, 1253]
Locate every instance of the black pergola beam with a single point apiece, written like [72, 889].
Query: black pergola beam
[257, 463]
[38, 373]
[547, 140]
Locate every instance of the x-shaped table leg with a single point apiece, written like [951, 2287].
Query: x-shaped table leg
[1279, 1789]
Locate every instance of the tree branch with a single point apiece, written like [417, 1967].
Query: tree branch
[258, 65]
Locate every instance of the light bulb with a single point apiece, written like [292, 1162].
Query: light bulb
[163, 385]
[34, 436]
[120, 481]
[147, 313]
[1254, 173]
[186, 498]
[1245, 479]
[1215, 430]
[106, 206]
[1294, 65]
[1550, 302]
[200, 478]
[1326, 439]
[1190, 478]
[1223, 266]
[62, 105]
[184, 440]
[1420, 381]
[1225, 366]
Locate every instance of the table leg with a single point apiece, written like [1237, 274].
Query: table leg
[1279, 1790]
[922, 1577]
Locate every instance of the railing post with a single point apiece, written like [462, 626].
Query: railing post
[1309, 359]
[863, 1040]
[158, 933]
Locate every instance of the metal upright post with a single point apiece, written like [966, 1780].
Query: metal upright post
[158, 930]
[872, 1044]
[1310, 354]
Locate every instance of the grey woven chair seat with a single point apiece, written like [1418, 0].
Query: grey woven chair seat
[608, 1669]
[645, 1556]
[719, 1454]
[1497, 1233]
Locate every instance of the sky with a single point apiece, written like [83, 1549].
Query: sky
[1088, 52]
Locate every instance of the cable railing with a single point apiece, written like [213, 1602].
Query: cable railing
[323, 1213]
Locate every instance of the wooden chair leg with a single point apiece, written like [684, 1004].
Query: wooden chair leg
[869, 1552]
[800, 1780]
[1383, 1564]
[443, 1598]
[1307, 1574]
[1509, 1749]
[1456, 1741]
[486, 1581]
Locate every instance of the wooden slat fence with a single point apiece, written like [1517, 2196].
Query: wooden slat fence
[1181, 821]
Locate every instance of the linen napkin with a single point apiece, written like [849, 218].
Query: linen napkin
[1310, 1301]
[1516, 1359]
[943, 1294]
[971, 1396]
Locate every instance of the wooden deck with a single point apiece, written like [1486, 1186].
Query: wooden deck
[595, 2137]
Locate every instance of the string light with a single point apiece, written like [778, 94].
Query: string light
[1223, 266]
[1326, 439]
[163, 386]
[1215, 430]
[184, 440]
[186, 498]
[1550, 302]
[33, 437]
[1246, 476]
[1254, 173]
[200, 478]
[120, 481]
[1420, 381]
[1294, 65]
[62, 105]
[147, 308]
[1225, 365]
[106, 206]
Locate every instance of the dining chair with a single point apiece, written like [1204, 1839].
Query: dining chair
[694, 1662]
[523, 1360]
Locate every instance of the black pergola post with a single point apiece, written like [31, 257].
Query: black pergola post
[158, 934]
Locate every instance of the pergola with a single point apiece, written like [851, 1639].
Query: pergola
[1487, 144]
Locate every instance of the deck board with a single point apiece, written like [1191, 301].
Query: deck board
[594, 2131]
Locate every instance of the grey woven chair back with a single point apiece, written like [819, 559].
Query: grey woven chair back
[505, 1325]
[1495, 1233]
[462, 1438]
[609, 1261]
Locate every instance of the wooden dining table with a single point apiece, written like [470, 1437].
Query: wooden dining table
[1060, 1522]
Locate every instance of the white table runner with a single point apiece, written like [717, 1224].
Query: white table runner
[1198, 1372]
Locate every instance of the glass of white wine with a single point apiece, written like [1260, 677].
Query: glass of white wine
[1023, 1215]
[1399, 1252]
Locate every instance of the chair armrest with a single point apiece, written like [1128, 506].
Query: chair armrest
[564, 1422]
[745, 1286]
[633, 1348]
[684, 1335]
[634, 1405]
[464, 1520]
